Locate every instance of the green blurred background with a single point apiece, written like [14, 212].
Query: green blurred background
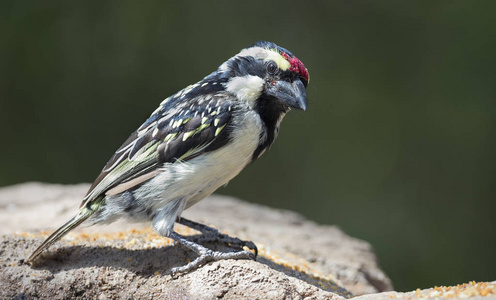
[397, 146]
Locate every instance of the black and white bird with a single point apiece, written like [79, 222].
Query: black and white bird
[195, 142]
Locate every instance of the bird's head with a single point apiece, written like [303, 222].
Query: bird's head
[267, 72]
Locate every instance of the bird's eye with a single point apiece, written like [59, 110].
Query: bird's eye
[271, 68]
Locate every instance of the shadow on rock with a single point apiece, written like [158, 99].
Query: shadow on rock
[150, 262]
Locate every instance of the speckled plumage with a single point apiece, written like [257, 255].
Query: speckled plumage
[194, 142]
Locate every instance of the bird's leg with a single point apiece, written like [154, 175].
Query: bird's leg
[205, 255]
[210, 234]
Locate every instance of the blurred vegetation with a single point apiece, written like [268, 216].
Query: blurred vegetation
[397, 146]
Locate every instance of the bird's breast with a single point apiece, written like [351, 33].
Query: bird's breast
[199, 177]
[215, 169]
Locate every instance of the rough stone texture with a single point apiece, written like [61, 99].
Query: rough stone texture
[473, 290]
[298, 258]
[108, 272]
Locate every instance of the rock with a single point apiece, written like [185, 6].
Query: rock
[472, 290]
[298, 258]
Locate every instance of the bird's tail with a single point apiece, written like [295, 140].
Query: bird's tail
[83, 214]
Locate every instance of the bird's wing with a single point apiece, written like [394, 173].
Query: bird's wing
[176, 131]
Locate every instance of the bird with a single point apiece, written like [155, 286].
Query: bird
[196, 141]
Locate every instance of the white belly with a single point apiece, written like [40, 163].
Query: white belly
[183, 184]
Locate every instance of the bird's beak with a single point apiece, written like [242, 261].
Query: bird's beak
[293, 94]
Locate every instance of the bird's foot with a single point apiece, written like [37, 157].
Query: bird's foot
[206, 255]
[210, 234]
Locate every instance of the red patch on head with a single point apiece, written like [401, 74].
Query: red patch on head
[296, 65]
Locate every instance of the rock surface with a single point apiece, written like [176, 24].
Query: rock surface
[472, 290]
[298, 259]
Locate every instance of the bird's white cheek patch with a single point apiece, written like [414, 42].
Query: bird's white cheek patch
[246, 88]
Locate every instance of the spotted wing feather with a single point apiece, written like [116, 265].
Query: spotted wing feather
[178, 130]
